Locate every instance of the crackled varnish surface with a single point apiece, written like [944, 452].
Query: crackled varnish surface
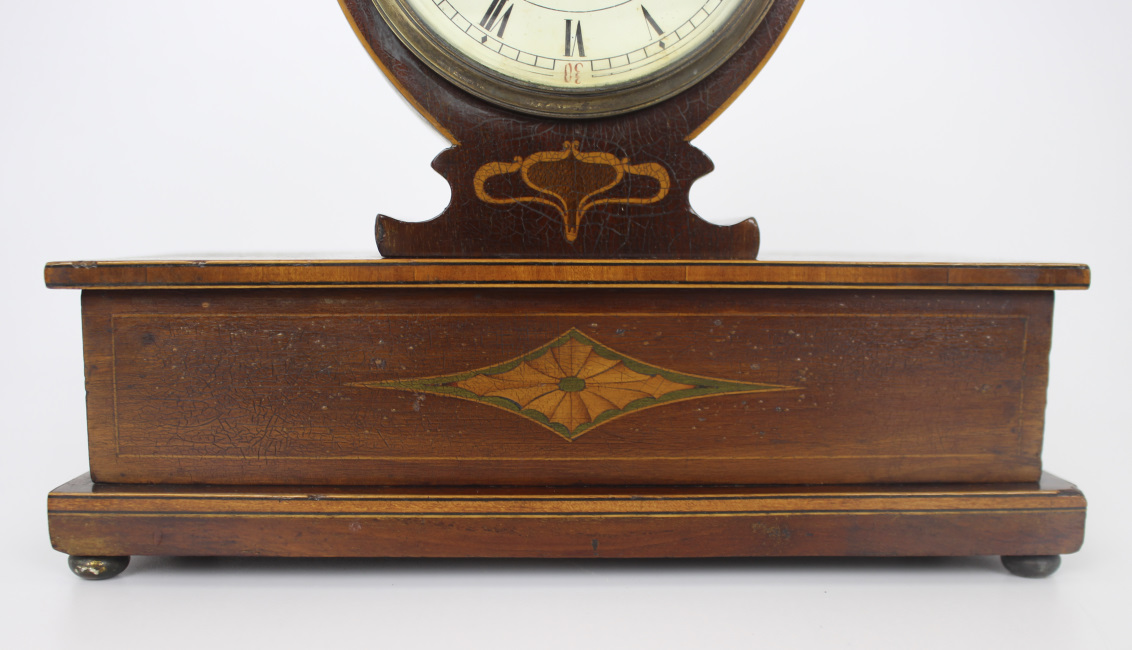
[527, 374]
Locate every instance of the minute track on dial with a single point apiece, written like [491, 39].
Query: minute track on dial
[585, 58]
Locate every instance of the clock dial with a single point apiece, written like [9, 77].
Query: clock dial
[574, 58]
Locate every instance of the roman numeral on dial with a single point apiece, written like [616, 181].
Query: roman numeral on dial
[574, 39]
[491, 17]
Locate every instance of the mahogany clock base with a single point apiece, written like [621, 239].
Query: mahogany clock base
[1022, 522]
[913, 394]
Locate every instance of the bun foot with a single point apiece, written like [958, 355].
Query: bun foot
[97, 568]
[1031, 566]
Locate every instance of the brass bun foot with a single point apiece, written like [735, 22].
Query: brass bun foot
[1031, 566]
[97, 568]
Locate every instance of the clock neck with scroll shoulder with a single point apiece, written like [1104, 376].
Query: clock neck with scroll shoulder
[534, 187]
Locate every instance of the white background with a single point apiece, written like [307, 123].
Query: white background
[968, 130]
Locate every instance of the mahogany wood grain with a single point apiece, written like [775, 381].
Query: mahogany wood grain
[207, 274]
[264, 386]
[939, 520]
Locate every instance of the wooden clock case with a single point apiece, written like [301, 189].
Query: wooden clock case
[567, 363]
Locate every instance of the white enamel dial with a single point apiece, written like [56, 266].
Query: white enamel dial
[574, 57]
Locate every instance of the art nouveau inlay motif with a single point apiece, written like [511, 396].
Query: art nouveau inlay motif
[572, 181]
[572, 385]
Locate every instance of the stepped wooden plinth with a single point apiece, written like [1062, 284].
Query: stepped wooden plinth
[565, 409]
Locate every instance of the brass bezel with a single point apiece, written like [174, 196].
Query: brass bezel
[545, 101]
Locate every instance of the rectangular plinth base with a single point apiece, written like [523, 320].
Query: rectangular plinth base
[563, 373]
[93, 519]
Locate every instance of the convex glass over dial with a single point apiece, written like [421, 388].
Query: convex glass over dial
[574, 58]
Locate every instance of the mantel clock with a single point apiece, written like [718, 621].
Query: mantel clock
[567, 361]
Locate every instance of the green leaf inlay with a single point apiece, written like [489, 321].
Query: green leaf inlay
[673, 386]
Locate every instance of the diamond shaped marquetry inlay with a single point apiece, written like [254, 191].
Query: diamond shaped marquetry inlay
[572, 385]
